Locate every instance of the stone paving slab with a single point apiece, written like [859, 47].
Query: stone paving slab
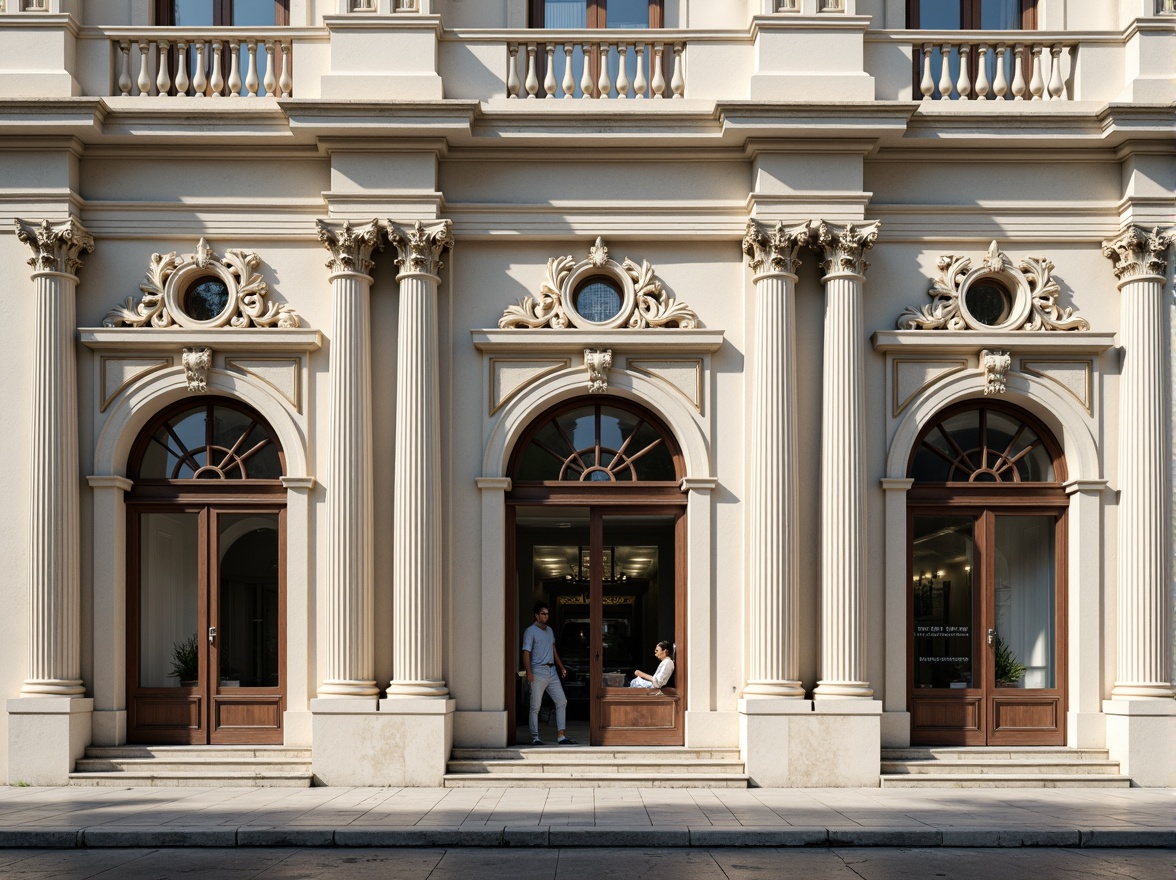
[66, 818]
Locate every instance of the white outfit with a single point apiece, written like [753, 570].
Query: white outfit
[664, 670]
[540, 643]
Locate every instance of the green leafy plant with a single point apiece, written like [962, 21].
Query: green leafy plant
[186, 660]
[20, 784]
[1009, 670]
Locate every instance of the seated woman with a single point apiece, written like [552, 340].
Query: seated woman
[664, 669]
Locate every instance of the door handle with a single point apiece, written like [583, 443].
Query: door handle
[212, 635]
[991, 636]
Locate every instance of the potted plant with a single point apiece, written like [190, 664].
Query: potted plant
[186, 662]
[1009, 670]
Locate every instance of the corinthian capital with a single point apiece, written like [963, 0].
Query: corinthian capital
[55, 245]
[845, 247]
[419, 249]
[775, 251]
[351, 249]
[1137, 252]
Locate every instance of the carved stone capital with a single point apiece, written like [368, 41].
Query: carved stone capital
[351, 249]
[845, 247]
[197, 363]
[598, 362]
[777, 250]
[419, 249]
[996, 366]
[1137, 252]
[55, 245]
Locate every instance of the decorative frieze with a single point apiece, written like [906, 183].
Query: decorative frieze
[996, 365]
[598, 362]
[197, 363]
[1137, 252]
[56, 246]
[202, 290]
[351, 248]
[599, 293]
[996, 295]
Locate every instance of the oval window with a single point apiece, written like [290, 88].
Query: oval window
[989, 302]
[598, 300]
[206, 298]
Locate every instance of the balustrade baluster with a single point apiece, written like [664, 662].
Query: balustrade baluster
[1057, 90]
[218, 80]
[639, 83]
[944, 72]
[586, 74]
[270, 82]
[569, 81]
[658, 84]
[964, 83]
[285, 81]
[234, 69]
[622, 73]
[1000, 85]
[604, 84]
[124, 67]
[1019, 73]
[532, 77]
[549, 77]
[927, 83]
[200, 80]
[512, 71]
[163, 74]
[144, 82]
[182, 68]
[982, 73]
[1037, 83]
[251, 81]
[678, 83]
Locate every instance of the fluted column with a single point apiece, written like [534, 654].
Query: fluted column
[843, 467]
[54, 546]
[416, 491]
[773, 662]
[1143, 655]
[349, 637]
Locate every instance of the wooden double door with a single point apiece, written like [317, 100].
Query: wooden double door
[613, 578]
[986, 637]
[206, 624]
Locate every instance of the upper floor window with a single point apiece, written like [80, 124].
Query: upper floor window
[972, 15]
[581, 14]
[222, 13]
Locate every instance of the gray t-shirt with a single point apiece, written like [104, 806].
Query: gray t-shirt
[541, 643]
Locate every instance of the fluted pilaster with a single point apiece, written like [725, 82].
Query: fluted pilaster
[843, 470]
[772, 595]
[416, 502]
[1143, 655]
[54, 586]
[349, 644]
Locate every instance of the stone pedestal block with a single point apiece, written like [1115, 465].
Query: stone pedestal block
[1141, 736]
[896, 730]
[377, 57]
[46, 735]
[801, 744]
[401, 741]
[712, 730]
[109, 727]
[480, 730]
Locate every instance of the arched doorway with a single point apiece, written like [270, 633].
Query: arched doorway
[986, 615]
[596, 529]
[206, 578]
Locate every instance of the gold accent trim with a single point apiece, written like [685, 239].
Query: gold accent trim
[896, 406]
[159, 362]
[554, 366]
[1088, 403]
[296, 363]
[634, 364]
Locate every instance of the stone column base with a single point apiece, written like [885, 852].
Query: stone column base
[400, 741]
[1140, 736]
[46, 735]
[811, 744]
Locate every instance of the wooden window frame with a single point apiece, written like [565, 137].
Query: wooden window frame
[970, 15]
[598, 14]
[222, 13]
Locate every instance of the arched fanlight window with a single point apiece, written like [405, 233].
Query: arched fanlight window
[986, 443]
[595, 442]
[214, 440]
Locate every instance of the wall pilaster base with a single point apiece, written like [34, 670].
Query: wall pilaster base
[110, 727]
[46, 735]
[806, 744]
[400, 741]
[479, 730]
[896, 730]
[298, 729]
[1140, 734]
[1086, 730]
[715, 730]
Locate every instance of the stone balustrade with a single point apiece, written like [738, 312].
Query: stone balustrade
[618, 67]
[996, 66]
[213, 62]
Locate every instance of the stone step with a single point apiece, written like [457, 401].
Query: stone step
[994, 753]
[210, 779]
[192, 765]
[594, 780]
[217, 752]
[1056, 768]
[579, 768]
[596, 754]
[1003, 780]
[183, 766]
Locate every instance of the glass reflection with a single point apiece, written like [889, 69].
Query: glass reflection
[1024, 599]
[247, 640]
[169, 571]
[942, 569]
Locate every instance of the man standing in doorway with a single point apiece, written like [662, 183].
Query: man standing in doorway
[540, 660]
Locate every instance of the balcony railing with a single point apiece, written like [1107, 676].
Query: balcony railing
[595, 65]
[979, 68]
[199, 64]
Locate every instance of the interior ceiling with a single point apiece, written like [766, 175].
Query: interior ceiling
[562, 560]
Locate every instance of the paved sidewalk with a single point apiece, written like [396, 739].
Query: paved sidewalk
[153, 817]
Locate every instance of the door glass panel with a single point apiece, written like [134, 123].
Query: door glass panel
[247, 628]
[169, 601]
[639, 597]
[193, 13]
[565, 14]
[1024, 601]
[942, 564]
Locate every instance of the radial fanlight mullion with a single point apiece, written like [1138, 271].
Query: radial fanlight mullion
[983, 440]
[574, 452]
[961, 455]
[596, 416]
[232, 451]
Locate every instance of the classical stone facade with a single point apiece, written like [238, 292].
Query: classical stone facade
[833, 349]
